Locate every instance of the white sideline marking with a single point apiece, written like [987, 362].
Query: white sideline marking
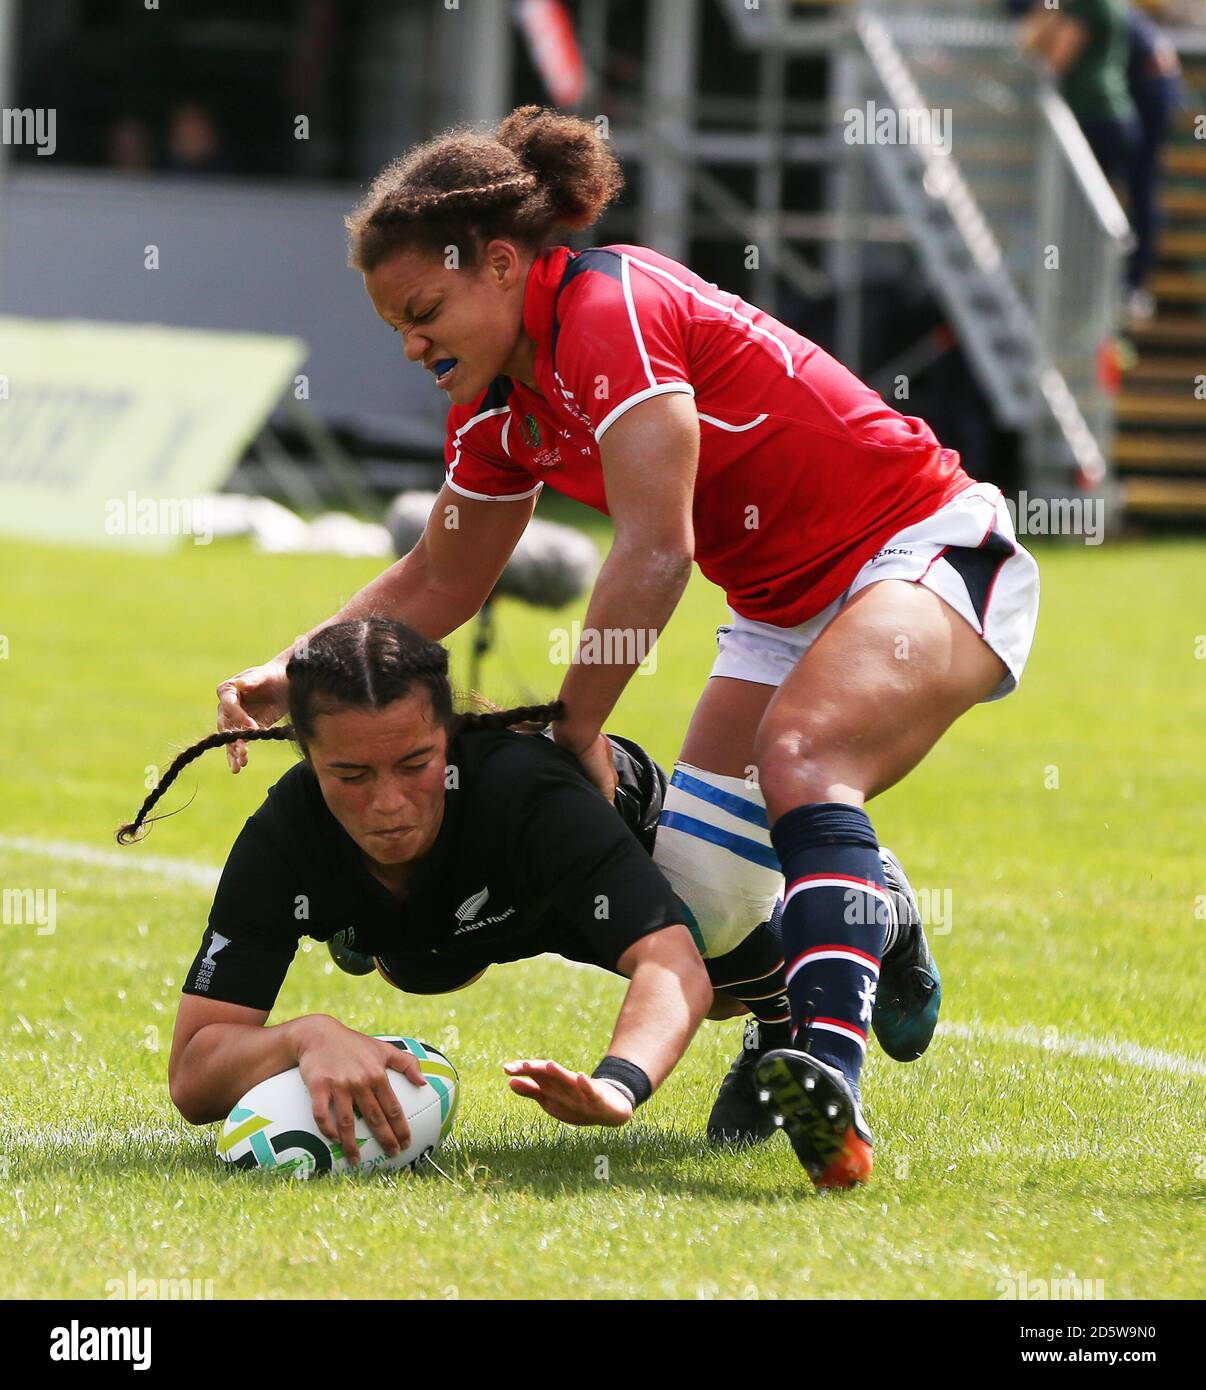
[206, 876]
[1105, 1050]
[182, 870]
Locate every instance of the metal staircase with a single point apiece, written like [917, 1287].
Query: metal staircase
[1160, 448]
[961, 253]
[1022, 241]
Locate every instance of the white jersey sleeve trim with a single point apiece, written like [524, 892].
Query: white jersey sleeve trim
[788, 365]
[612, 416]
[626, 281]
[733, 429]
[484, 415]
[456, 448]
[491, 496]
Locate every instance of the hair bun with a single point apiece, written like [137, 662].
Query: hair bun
[519, 132]
[577, 171]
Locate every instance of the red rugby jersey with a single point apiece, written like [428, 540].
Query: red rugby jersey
[804, 471]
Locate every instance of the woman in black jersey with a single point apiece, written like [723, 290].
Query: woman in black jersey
[438, 844]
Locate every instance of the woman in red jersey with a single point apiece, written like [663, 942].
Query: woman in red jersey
[876, 592]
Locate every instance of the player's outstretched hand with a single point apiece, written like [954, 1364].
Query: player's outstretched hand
[348, 1072]
[254, 699]
[569, 1096]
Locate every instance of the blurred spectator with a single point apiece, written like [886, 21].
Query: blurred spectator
[193, 143]
[1154, 78]
[1086, 44]
[129, 144]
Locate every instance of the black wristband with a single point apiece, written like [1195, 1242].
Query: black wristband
[625, 1076]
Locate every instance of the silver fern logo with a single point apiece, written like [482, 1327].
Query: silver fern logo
[469, 909]
[466, 914]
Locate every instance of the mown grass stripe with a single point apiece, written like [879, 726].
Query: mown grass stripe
[180, 870]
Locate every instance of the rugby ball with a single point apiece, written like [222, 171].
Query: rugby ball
[273, 1126]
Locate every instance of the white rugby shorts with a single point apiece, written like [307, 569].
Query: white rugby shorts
[966, 552]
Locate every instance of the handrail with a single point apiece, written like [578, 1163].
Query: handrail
[1062, 322]
[944, 180]
[1096, 187]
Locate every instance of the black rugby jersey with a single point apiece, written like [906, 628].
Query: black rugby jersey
[529, 858]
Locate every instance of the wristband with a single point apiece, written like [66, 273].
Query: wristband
[626, 1077]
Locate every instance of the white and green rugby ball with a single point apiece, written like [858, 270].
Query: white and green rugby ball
[273, 1125]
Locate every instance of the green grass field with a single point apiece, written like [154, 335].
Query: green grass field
[1053, 1130]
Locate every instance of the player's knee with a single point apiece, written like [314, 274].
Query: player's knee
[725, 1006]
[800, 761]
[714, 848]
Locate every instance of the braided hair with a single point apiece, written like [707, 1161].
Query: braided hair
[364, 664]
[539, 171]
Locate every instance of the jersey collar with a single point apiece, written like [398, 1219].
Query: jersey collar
[540, 298]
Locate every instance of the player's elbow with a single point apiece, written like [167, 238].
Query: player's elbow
[672, 951]
[191, 1104]
[675, 561]
[697, 987]
[186, 1103]
[665, 560]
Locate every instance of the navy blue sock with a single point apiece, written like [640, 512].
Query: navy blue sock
[835, 916]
